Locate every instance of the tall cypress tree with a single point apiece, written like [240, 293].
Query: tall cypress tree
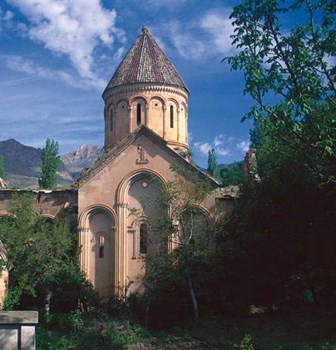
[212, 164]
[50, 162]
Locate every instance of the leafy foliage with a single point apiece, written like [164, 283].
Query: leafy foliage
[183, 228]
[50, 162]
[232, 174]
[283, 223]
[293, 69]
[42, 261]
[212, 164]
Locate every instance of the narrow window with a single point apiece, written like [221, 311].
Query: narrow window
[111, 120]
[143, 238]
[171, 116]
[101, 246]
[138, 114]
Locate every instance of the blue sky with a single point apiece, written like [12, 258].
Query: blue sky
[57, 57]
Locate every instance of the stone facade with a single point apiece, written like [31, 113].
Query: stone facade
[60, 204]
[146, 131]
[107, 195]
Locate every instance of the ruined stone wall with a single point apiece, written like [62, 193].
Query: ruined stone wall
[51, 204]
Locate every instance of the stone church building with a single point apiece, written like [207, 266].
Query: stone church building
[146, 131]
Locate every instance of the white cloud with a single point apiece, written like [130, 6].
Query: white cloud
[243, 146]
[203, 36]
[218, 25]
[204, 148]
[222, 151]
[218, 140]
[5, 16]
[169, 4]
[20, 81]
[72, 28]
[224, 146]
[185, 41]
[20, 64]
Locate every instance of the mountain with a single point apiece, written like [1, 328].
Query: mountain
[23, 163]
[83, 157]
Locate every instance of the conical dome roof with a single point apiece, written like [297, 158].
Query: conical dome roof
[145, 62]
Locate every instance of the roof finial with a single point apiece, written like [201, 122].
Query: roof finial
[144, 29]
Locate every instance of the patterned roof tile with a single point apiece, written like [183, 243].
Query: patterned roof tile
[145, 62]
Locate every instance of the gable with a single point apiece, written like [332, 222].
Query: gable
[143, 149]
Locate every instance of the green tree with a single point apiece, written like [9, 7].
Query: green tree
[293, 68]
[50, 162]
[183, 229]
[2, 167]
[232, 174]
[212, 164]
[42, 261]
[284, 222]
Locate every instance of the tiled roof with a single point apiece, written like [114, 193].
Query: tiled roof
[145, 62]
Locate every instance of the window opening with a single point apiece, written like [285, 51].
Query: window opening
[101, 246]
[143, 238]
[171, 116]
[138, 114]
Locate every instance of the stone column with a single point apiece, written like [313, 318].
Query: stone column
[129, 108]
[178, 122]
[164, 107]
[85, 249]
[121, 249]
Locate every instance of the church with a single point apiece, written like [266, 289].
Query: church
[146, 131]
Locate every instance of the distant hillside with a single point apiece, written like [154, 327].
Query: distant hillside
[23, 163]
[224, 166]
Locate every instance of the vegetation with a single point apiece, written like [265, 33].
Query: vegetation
[265, 277]
[212, 164]
[229, 175]
[178, 243]
[284, 222]
[291, 67]
[232, 174]
[42, 261]
[50, 162]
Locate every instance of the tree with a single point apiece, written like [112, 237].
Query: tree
[183, 230]
[290, 73]
[2, 167]
[50, 162]
[212, 164]
[284, 222]
[232, 174]
[42, 261]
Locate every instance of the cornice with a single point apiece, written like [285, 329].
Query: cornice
[121, 90]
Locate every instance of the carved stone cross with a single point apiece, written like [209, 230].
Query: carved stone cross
[142, 156]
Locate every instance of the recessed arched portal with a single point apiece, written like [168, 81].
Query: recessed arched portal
[98, 245]
[140, 195]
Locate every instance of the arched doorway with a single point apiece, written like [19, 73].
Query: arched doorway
[101, 225]
[140, 194]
